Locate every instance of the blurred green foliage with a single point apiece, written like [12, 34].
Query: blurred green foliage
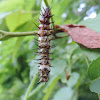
[17, 64]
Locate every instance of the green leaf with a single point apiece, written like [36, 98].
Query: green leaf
[90, 53]
[8, 5]
[73, 79]
[95, 86]
[64, 93]
[29, 4]
[16, 19]
[3, 25]
[93, 24]
[59, 66]
[33, 68]
[17, 46]
[94, 69]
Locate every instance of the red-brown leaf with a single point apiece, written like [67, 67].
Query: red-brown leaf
[82, 35]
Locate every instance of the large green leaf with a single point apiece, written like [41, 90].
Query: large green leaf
[17, 46]
[90, 53]
[64, 93]
[95, 86]
[94, 69]
[93, 24]
[8, 5]
[29, 4]
[59, 67]
[16, 19]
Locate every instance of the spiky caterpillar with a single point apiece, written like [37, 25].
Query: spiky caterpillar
[44, 45]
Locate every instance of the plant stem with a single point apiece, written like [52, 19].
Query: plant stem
[76, 60]
[30, 87]
[58, 37]
[87, 60]
[36, 90]
[6, 35]
[99, 96]
[50, 88]
[46, 3]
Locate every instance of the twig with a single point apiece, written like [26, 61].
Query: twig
[58, 37]
[6, 35]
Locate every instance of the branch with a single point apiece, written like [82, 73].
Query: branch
[6, 35]
[58, 37]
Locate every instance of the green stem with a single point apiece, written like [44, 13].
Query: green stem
[46, 3]
[99, 96]
[76, 60]
[50, 88]
[58, 37]
[36, 90]
[87, 60]
[70, 66]
[18, 33]
[6, 35]
[30, 87]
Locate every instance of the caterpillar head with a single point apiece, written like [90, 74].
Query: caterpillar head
[47, 13]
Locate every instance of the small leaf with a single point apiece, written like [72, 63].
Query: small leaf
[94, 69]
[95, 86]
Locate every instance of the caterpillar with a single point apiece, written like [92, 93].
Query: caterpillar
[44, 45]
